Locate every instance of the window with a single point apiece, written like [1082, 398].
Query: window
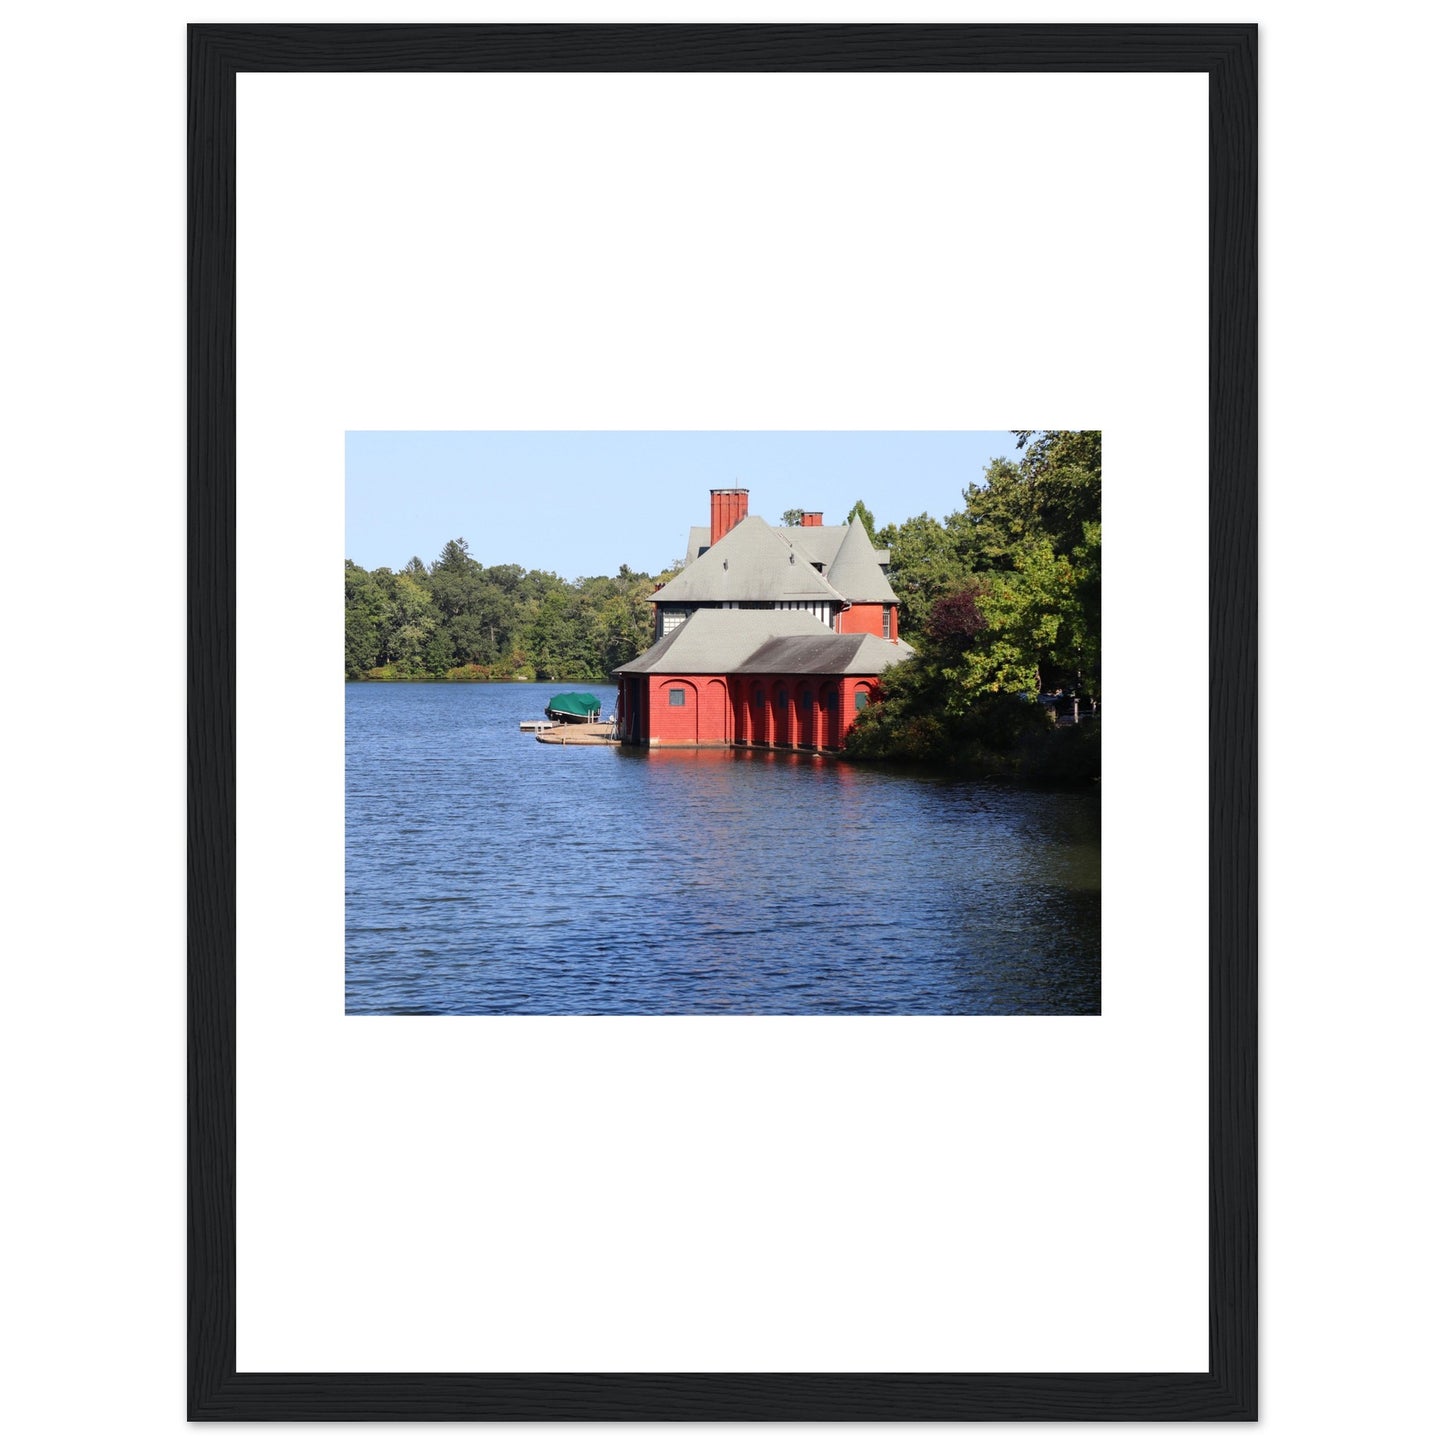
[807, 697]
[757, 697]
[830, 701]
[860, 700]
[887, 621]
[676, 697]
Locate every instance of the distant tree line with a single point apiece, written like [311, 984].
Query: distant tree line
[461, 621]
[1002, 600]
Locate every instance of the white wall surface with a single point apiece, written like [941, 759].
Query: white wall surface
[93, 1044]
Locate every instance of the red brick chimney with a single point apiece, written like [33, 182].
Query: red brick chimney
[729, 507]
[812, 519]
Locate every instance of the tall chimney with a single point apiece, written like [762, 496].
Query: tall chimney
[812, 519]
[729, 507]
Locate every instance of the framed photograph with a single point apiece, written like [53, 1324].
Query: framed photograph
[675, 939]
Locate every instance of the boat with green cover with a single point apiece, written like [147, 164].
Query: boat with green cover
[574, 707]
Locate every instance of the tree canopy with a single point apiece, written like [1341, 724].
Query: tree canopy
[1002, 601]
[458, 619]
[860, 511]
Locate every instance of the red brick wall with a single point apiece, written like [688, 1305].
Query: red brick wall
[855, 687]
[670, 726]
[722, 711]
[868, 617]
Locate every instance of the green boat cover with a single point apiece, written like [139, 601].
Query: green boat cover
[579, 704]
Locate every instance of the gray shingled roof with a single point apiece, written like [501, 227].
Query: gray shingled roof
[821, 543]
[834, 654]
[697, 539]
[855, 571]
[752, 563]
[721, 639]
[724, 640]
[876, 655]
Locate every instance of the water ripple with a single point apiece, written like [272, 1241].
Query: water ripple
[488, 874]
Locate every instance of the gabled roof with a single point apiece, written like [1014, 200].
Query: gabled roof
[752, 563]
[820, 543]
[855, 571]
[729, 640]
[721, 639]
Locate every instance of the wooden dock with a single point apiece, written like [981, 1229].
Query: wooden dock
[587, 735]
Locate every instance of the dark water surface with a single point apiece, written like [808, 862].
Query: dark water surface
[488, 873]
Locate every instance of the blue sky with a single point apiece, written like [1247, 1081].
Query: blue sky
[581, 504]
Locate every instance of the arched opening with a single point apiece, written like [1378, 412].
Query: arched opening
[714, 720]
[829, 716]
[674, 718]
[757, 713]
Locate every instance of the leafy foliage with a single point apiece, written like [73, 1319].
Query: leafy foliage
[460, 620]
[859, 510]
[1002, 601]
[925, 565]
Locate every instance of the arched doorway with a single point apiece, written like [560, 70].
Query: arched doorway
[829, 716]
[782, 718]
[757, 713]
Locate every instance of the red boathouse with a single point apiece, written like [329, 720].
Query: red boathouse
[769, 637]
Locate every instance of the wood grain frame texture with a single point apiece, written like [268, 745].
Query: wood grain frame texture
[1228, 1390]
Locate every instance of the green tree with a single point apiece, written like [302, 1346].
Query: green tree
[1030, 621]
[368, 619]
[924, 565]
[1053, 491]
[1001, 600]
[859, 510]
[458, 588]
[414, 621]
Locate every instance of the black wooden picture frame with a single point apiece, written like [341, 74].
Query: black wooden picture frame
[1228, 1389]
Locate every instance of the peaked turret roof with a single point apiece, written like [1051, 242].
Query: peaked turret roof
[855, 571]
[750, 564]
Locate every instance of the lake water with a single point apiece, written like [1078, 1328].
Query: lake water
[488, 873]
